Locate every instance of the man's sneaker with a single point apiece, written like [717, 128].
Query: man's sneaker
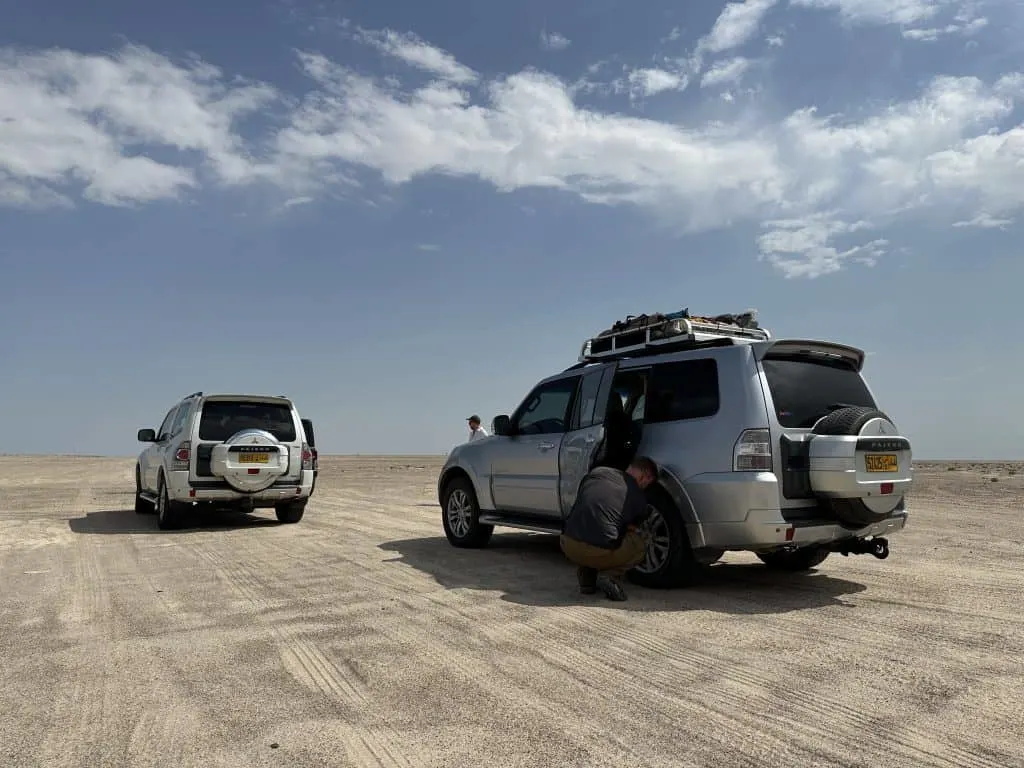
[611, 587]
[587, 578]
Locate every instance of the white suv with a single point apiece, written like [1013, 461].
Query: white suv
[234, 451]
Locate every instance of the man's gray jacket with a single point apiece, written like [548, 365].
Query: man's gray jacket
[609, 500]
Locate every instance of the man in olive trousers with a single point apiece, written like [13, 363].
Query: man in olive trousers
[600, 534]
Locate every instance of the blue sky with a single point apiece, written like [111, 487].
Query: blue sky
[403, 213]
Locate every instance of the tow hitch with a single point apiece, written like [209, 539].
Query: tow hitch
[878, 546]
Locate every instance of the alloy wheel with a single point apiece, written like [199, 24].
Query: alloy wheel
[460, 513]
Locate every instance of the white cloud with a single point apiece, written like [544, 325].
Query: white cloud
[72, 118]
[802, 247]
[880, 11]
[725, 72]
[553, 41]
[429, 247]
[736, 24]
[416, 53]
[931, 34]
[985, 221]
[291, 202]
[818, 189]
[648, 82]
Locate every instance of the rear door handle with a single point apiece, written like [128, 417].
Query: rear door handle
[591, 440]
[545, 446]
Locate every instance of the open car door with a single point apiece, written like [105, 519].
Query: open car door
[598, 421]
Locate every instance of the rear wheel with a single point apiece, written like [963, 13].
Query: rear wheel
[460, 516]
[801, 559]
[670, 560]
[291, 512]
[169, 513]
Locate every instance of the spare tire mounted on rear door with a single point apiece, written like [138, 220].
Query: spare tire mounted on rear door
[250, 460]
[859, 465]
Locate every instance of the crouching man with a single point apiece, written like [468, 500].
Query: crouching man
[600, 534]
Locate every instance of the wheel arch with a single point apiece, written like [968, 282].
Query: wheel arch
[673, 491]
[450, 474]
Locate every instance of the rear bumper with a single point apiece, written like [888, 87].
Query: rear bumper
[765, 529]
[181, 489]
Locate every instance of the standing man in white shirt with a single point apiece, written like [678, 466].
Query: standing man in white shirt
[475, 430]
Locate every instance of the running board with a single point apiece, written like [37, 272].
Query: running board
[147, 496]
[525, 522]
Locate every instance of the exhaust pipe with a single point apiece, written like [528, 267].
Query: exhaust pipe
[878, 546]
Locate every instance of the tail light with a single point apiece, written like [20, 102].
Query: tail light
[753, 451]
[307, 457]
[182, 455]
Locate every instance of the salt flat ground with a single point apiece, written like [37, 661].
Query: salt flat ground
[360, 637]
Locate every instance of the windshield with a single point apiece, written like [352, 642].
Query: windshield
[805, 389]
[223, 418]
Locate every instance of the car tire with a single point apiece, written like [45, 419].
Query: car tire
[168, 513]
[142, 506]
[460, 516]
[291, 512]
[851, 513]
[801, 559]
[679, 566]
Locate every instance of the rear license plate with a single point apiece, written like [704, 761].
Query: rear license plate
[881, 462]
[254, 458]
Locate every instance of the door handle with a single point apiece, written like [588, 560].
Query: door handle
[591, 440]
[545, 446]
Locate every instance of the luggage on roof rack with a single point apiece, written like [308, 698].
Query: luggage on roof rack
[665, 332]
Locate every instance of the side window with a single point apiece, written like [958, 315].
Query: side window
[684, 390]
[179, 419]
[546, 411]
[165, 428]
[585, 408]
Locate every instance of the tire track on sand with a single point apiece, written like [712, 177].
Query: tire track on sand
[817, 715]
[676, 669]
[309, 666]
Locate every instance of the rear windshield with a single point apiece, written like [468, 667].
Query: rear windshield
[804, 390]
[223, 418]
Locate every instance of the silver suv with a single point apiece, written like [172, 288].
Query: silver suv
[776, 447]
[234, 451]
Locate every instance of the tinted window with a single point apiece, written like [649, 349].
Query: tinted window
[307, 425]
[804, 390]
[547, 409]
[684, 390]
[165, 428]
[586, 402]
[223, 418]
[179, 419]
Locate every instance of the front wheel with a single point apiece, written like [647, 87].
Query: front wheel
[460, 516]
[669, 560]
[168, 513]
[142, 506]
[794, 560]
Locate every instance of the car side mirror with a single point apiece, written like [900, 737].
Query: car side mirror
[502, 425]
[147, 436]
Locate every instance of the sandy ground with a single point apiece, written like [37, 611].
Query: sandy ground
[360, 637]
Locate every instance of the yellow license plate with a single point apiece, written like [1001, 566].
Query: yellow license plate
[254, 458]
[881, 462]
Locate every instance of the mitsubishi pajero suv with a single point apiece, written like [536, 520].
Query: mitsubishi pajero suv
[226, 451]
[771, 446]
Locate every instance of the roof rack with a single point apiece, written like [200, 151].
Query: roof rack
[658, 334]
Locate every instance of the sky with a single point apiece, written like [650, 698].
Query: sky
[403, 213]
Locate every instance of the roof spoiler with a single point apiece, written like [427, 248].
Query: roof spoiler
[811, 348]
